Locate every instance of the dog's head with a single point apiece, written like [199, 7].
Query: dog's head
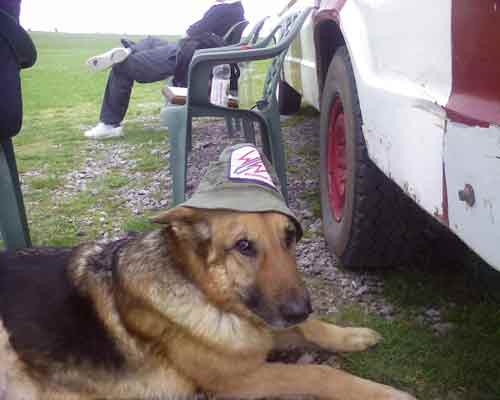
[244, 262]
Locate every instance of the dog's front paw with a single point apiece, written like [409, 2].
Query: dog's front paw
[359, 339]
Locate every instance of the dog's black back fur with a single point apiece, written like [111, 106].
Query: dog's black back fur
[45, 316]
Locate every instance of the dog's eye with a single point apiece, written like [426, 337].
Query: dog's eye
[246, 248]
[289, 237]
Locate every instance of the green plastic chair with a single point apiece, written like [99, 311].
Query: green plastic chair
[233, 38]
[266, 115]
[250, 39]
[13, 222]
[233, 35]
[253, 36]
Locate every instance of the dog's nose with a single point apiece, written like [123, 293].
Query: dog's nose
[297, 309]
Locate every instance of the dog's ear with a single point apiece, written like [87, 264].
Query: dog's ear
[175, 214]
[184, 221]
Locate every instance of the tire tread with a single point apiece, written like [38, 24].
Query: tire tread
[387, 229]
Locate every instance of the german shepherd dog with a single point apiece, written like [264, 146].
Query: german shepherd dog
[193, 307]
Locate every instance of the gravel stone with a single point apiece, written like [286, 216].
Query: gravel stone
[442, 328]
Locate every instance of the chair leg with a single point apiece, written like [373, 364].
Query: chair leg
[178, 133]
[265, 132]
[13, 221]
[237, 124]
[249, 130]
[278, 152]
[229, 125]
[189, 139]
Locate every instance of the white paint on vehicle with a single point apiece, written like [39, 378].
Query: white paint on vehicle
[401, 56]
[307, 81]
[472, 156]
[408, 48]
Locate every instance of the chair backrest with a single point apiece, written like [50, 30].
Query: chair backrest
[233, 35]
[284, 33]
[203, 62]
[253, 36]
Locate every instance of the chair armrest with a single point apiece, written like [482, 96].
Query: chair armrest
[231, 47]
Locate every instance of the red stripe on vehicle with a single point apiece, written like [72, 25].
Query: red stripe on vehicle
[444, 217]
[475, 96]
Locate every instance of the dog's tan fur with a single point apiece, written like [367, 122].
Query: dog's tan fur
[175, 313]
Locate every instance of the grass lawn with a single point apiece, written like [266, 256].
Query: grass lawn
[462, 364]
[62, 99]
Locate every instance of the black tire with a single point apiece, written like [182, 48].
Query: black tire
[481, 280]
[379, 225]
[485, 276]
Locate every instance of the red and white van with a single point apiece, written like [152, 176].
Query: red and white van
[409, 94]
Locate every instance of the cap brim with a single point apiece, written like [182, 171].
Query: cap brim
[250, 198]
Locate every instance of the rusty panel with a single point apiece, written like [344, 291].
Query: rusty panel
[475, 98]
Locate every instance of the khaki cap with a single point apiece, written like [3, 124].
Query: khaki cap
[242, 179]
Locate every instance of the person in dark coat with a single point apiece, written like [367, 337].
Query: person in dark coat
[10, 82]
[152, 60]
[17, 51]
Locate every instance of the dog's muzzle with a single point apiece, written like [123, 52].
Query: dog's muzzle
[296, 309]
[291, 310]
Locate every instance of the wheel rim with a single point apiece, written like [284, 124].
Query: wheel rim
[337, 159]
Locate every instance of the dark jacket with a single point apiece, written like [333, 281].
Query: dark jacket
[218, 19]
[16, 51]
[204, 34]
[11, 7]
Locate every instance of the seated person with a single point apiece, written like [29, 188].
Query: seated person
[154, 59]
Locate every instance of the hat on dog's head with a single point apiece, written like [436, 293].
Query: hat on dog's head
[242, 179]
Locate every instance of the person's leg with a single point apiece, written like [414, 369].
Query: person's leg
[116, 97]
[121, 78]
[106, 60]
[152, 64]
[149, 65]
[144, 66]
[117, 55]
[148, 43]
